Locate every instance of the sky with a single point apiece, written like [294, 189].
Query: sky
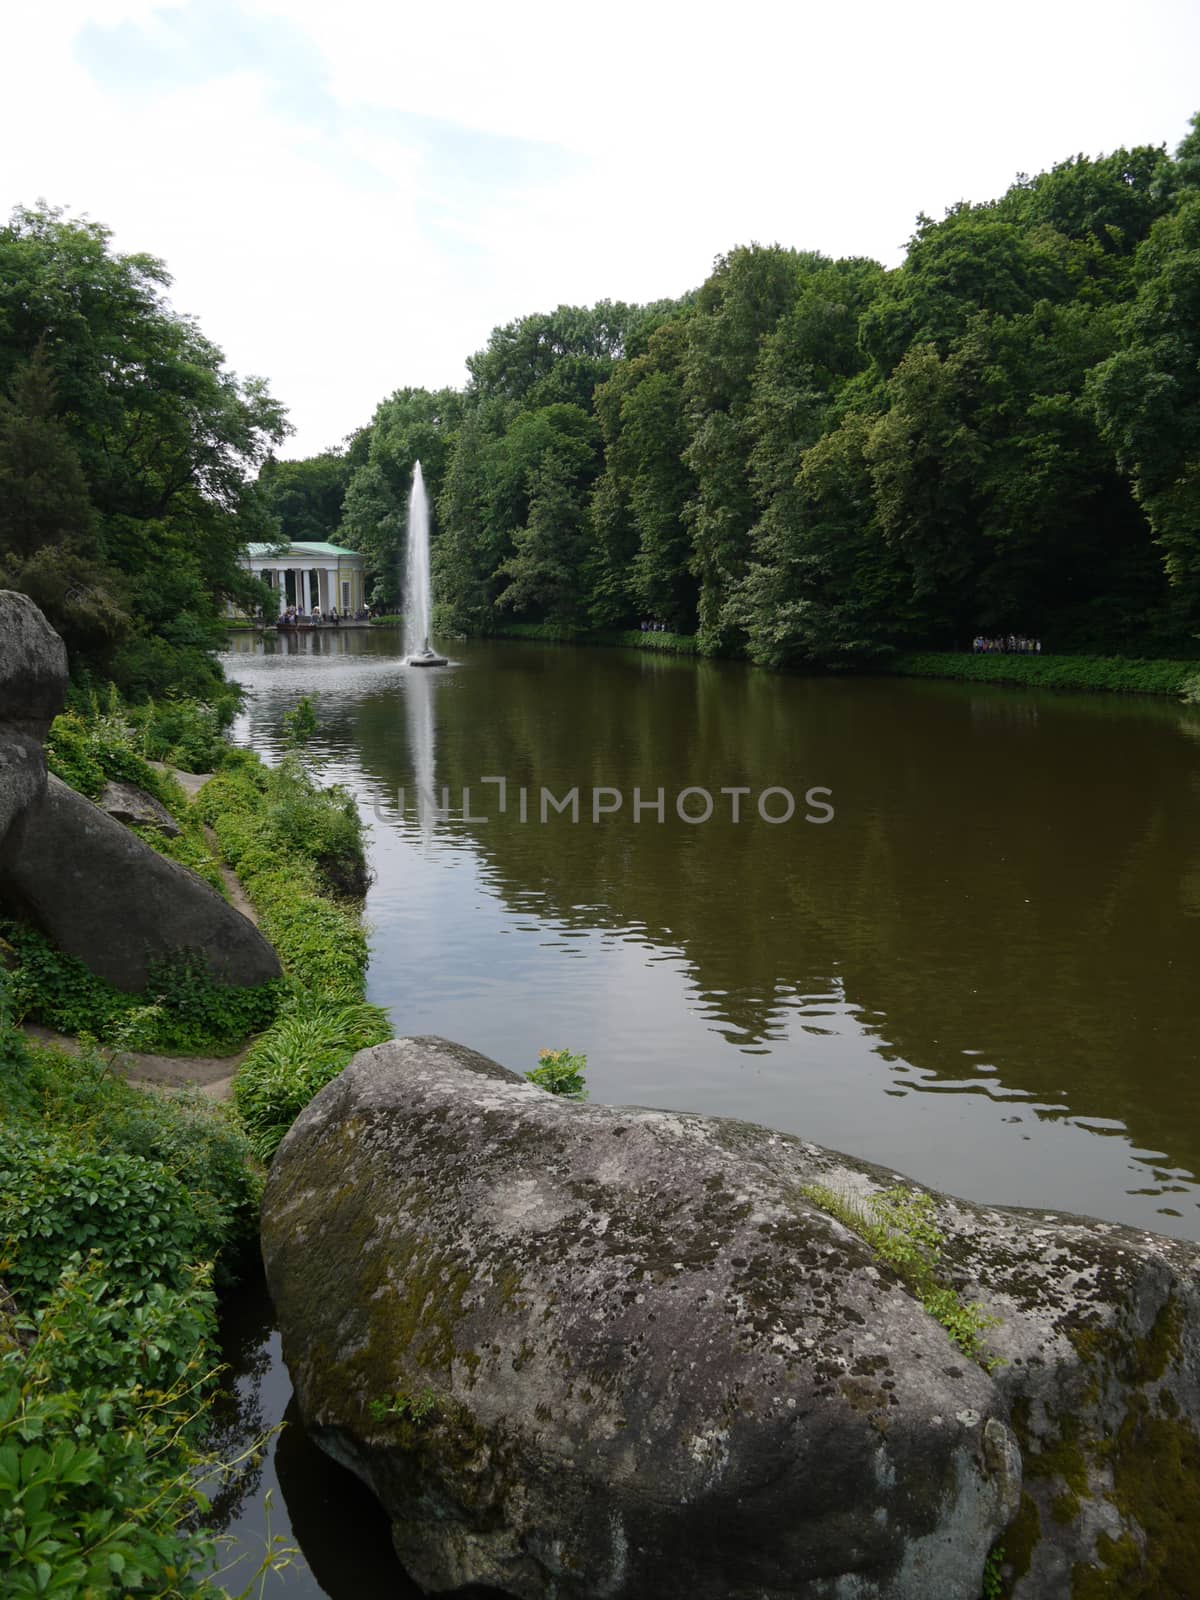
[350, 196]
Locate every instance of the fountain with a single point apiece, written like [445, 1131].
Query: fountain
[418, 595]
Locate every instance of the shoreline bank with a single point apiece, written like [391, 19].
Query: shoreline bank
[1093, 674]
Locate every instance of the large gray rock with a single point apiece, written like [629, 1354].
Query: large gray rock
[125, 802]
[652, 1367]
[33, 683]
[22, 775]
[33, 667]
[104, 896]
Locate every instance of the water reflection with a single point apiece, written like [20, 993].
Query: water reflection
[990, 942]
[342, 1534]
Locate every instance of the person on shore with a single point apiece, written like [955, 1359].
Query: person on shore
[333, 616]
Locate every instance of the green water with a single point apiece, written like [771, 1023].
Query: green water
[980, 972]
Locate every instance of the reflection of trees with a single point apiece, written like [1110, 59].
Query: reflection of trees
[324, 1503]
[247, 1323]
[1006, 875]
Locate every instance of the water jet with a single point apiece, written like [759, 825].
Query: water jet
[418, 588]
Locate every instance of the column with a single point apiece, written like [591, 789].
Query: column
[331, 585]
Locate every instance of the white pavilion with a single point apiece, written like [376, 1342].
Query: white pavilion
[310, 574]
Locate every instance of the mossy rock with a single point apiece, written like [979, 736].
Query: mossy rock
[655, 1367]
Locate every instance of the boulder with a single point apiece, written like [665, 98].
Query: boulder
[103, 895]
[125, 802]
[22, 775]
[588, 1351]
[33, 667]
[33, 683]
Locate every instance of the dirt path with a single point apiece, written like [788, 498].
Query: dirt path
[212, 1075]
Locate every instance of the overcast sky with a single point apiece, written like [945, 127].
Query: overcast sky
[351, 195]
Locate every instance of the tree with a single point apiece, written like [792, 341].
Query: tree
[1147, 395]
[411, 425]
[166, 441]
[306, 496]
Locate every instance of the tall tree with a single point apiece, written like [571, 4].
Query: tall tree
[167, 440]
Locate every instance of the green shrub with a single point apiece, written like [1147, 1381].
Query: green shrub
[560, 1072]
[300, 723]
[59, 1199]
[268, 818]
[185, 733]
[306, 1049]
[194, 1139]
[112, 1203]
[97, 1477]
[1113, 674]
[87, 750]
[198, 1016]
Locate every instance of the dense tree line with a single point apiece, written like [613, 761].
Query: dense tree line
[805, 459]
[819, 460]
[128, 458]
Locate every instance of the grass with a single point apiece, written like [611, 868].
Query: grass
[290, 841]
[901, 1227]
[1111, 674]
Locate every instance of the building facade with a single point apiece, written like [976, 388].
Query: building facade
[305, 575]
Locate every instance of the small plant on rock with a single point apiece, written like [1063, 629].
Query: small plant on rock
[415, 1409]
[901, 1227]
[560, 1072]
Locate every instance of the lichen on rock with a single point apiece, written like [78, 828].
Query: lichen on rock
[658, 1369]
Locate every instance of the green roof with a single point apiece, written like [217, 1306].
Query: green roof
[301, 547]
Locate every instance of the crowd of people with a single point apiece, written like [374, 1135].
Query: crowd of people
[1008, 644]
[294, 617]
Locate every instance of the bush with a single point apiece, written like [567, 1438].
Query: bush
[197, 1016]
[193, 1139]
[306, 1049]
[188, 734]
[268, 819]
[1113, 674]
[560, 1072]
[85, 749]
[112, 1202]
[59, 1199]
[98, 1444]
[279, 830]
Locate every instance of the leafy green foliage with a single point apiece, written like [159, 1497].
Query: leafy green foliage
[113, 1205]
[560, 1072]
[99, 1425]
[187, 733]
[285, 836]
[817, 461]
[127, 455]
[901, 1227]
[993, 1574]
[306, 1049]
[58, 1201]
[196, 1016]
[300, 723]
[1052, 672]
[400, 1407]
[190, 1137]
[280, 823]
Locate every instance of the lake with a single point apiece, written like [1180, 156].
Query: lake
[975, 964]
